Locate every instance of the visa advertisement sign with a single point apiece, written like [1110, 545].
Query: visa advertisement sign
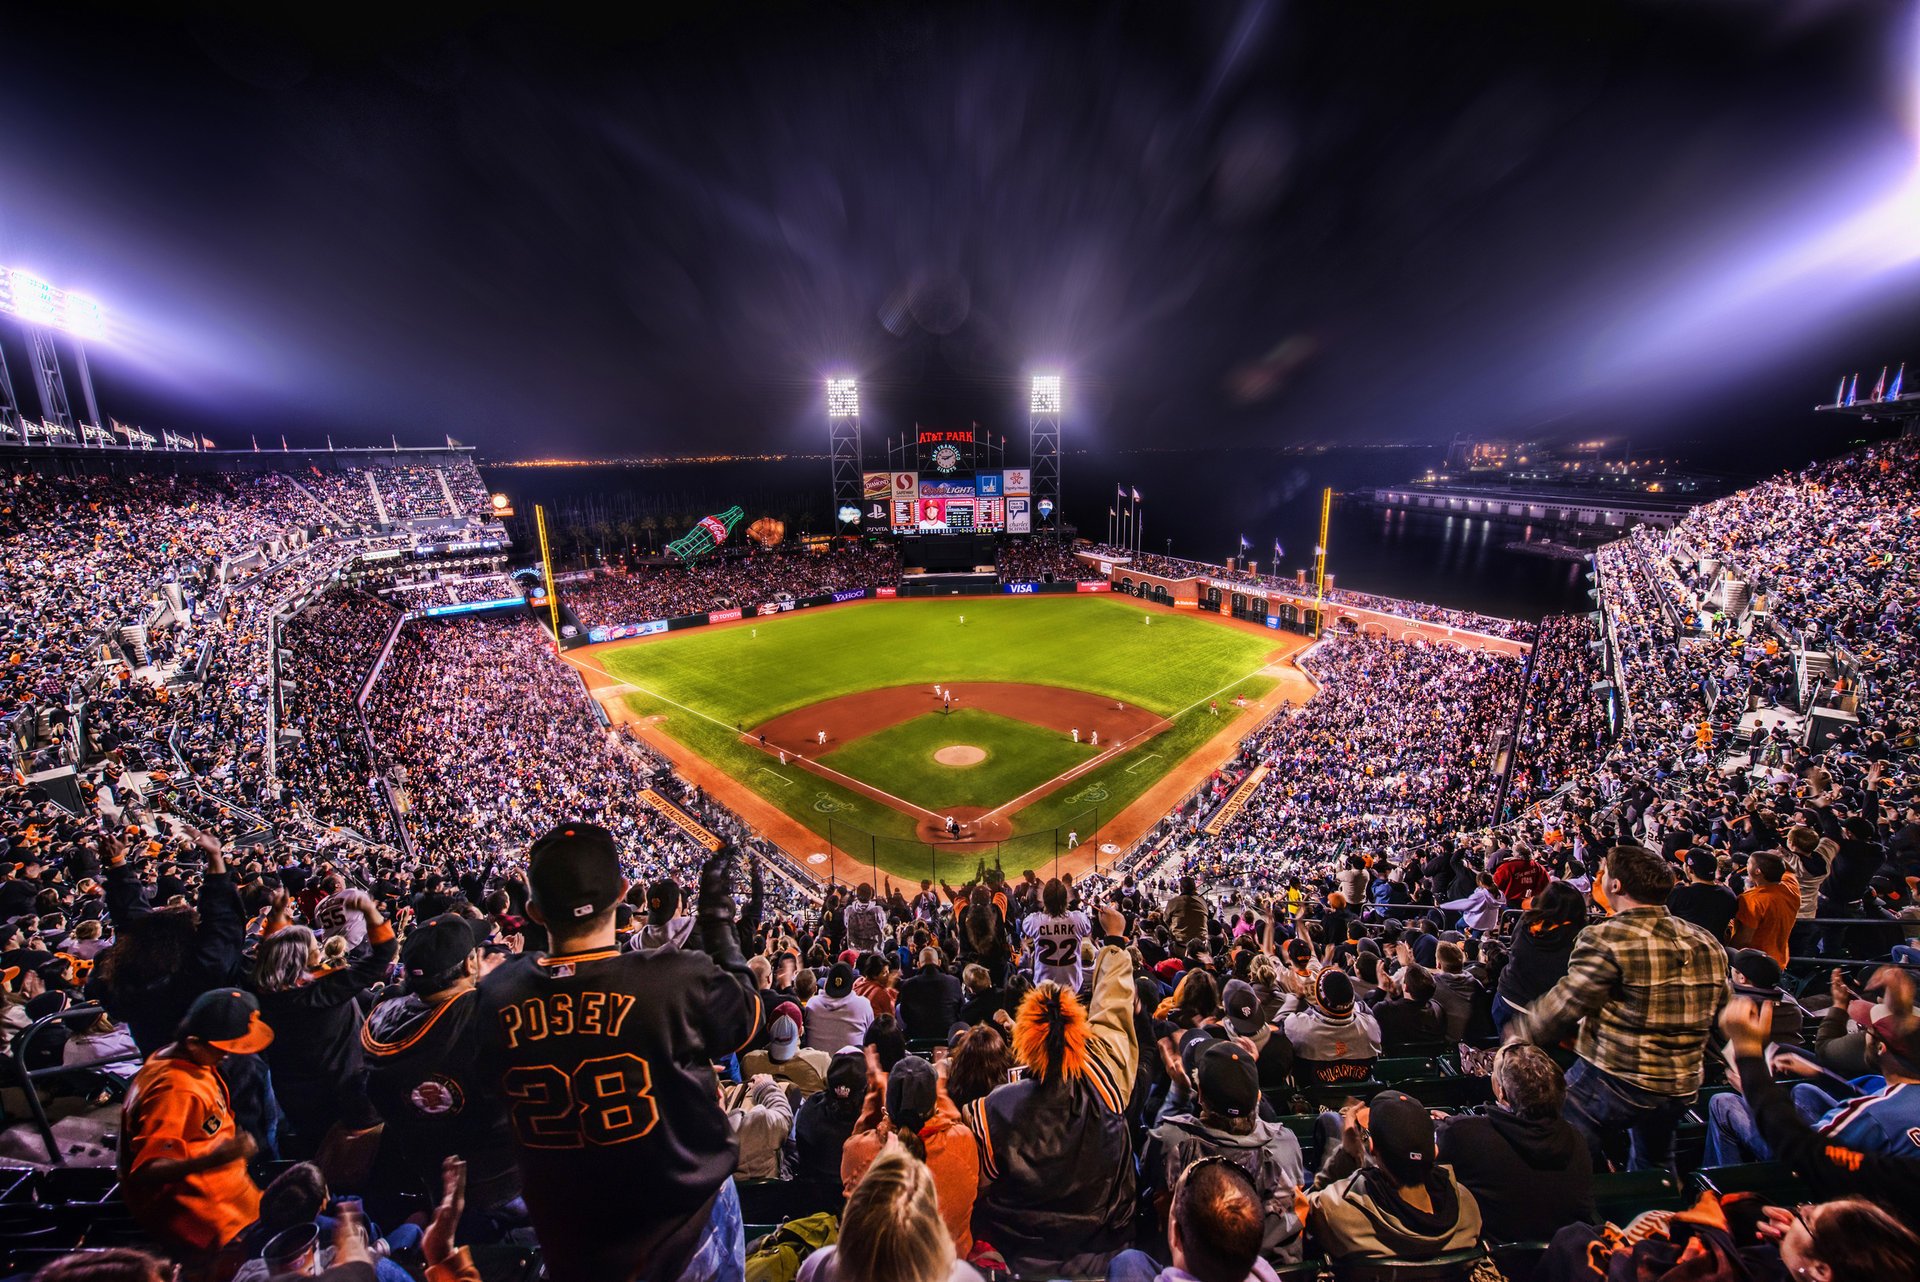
[1020, 589]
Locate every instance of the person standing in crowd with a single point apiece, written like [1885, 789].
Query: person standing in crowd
[1216, 1227]
[183, 1159]
[1056, 1156]
[603, 1058]
[866, 920]
[783, 1058]
[422, 1051]
[1641, 993]
[1186, 915]
[1768, 909]
[1055, 933]
[930, 998]
[1702, 899]
[316, 1062]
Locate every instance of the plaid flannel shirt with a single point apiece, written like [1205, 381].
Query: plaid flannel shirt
[1644, 988]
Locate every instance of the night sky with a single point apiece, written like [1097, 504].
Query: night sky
[1222, 223]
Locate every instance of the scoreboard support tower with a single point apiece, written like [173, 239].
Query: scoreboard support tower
[1043, 434]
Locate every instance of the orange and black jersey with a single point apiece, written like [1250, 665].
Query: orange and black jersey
[604, 1059]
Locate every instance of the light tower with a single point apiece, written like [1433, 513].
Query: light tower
[843, 450]
[1043, 435]
[42, 309]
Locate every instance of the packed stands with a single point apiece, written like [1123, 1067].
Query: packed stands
[1043, 560]
[1174, 567]
[1631, 990]
[729, 581]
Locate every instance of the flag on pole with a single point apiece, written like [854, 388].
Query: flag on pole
[206, 443]
[1880, 385]
[1893, 393]
[450, 444]
[1277, 554]
[1840, 392]
[1136, 496]
[256, 442]
[1853, 388]
[329, 442]
[1244, 545]
[283, 442]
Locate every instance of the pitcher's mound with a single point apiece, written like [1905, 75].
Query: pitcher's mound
[960, 754]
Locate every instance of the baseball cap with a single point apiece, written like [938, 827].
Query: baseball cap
[229, 1020]
[1333, 993]
[839, 980]
[1755, 975]
[783, 1034]
[847, 1075]
[912, 1093]
[574, 872]
[1229, 1080]
[435, 948]
[663, 899]
[1878, 1019]
[1194, 1041]
[1242, 1005]
[1403, 1138]
[1702, 863]
[1169, 968]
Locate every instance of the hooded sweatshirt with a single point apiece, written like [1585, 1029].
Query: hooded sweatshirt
[1530, 1176]
[422, 1079]
[1363, 1217]
[953, 1157]
[1269, 1154]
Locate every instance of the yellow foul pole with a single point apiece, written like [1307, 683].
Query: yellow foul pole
[1320, 564]
[546, 567]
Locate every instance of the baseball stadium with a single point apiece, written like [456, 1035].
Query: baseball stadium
[960, 644]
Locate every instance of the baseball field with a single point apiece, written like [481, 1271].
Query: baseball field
[916, 736]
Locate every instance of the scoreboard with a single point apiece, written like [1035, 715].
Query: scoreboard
[947, 493]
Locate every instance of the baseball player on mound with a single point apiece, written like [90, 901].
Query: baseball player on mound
[604, 1059]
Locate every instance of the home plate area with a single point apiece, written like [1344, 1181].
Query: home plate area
[960, 760]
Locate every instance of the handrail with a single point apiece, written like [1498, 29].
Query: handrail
[28, 1077]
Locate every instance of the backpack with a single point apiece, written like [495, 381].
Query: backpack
[777, 1257]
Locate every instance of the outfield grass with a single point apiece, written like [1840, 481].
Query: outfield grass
[899, 759]
[706, 682]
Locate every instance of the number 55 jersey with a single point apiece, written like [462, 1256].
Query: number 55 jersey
[604, 1060]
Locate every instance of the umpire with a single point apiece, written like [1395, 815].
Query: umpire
[605, 1060]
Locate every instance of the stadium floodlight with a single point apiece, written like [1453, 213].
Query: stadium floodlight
[36, 302]
[843, 398]
[1046, 393]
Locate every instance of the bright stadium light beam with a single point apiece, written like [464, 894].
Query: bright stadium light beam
[35, 302]
[1046, 394]
[843, 398]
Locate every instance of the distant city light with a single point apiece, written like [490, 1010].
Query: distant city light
[1046, 393]
[843, 398]
[36, 302]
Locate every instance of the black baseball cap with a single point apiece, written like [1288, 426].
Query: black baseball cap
[663, 899]
[1403, 1138]
[1229, 1080]
[229, 1020]
[1242, 1005]
[839, 980]
[1755, 974]
[435, 948]
[847, 1074]
[574, 872]
[1333, 993]
[1702, 863]
[912, 1093]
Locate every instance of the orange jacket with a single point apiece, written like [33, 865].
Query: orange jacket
[178, 1109]
[953, 1156]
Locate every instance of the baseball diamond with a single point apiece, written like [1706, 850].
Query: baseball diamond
[1087, 721]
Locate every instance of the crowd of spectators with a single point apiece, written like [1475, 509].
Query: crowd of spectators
[1563, 727]
[1367, 1020]
[1239, 577]
[325, 656]
[1043, 560]
[1394, 749]
[729, 581]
